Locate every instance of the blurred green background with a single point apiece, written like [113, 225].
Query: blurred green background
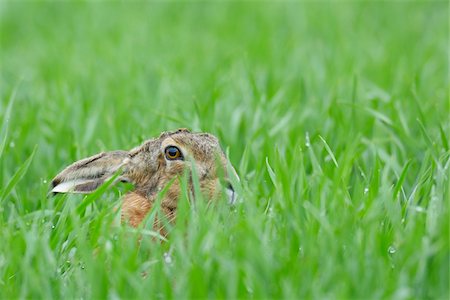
[335, 114]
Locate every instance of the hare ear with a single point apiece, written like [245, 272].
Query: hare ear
[86, 175]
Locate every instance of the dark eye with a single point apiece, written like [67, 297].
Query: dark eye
[173, 153]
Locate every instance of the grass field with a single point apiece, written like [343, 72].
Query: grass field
[335, 115]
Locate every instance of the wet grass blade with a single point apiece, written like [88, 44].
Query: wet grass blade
[18, 175]
[6, 120]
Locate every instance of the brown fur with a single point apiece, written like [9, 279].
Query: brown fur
[147, 168]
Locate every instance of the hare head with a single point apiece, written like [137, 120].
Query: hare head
[152, 167]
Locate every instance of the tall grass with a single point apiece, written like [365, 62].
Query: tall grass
[335, 115]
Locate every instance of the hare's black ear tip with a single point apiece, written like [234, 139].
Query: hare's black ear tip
[51, 189]
[55, 181]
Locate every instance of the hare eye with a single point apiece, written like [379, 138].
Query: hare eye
[173, 153]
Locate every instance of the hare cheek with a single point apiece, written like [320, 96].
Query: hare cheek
[171, 199]
[209, 189]
[175, 167]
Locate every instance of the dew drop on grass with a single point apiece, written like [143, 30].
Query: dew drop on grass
[366, 190]
[270, 212]
[249, 290]
[64, 245]
[419, 209]
[72, 252]
[392, 249]
[108, 246]
[307, 143]
[12, 145]
[167, 258]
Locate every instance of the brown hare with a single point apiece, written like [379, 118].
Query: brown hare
[150, 168]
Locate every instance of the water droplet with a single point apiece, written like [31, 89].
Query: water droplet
[366, 190]
[53, 226]
[72, 252]
[108, 246]
[64, 245]
[307, 143]
[419, 209]
[249, 290]
[44, 181]
[12, 144]
[392, 249]
[167, 258]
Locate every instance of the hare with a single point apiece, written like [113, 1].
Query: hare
[150, 168]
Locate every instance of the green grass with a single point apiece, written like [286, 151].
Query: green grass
[335, 115]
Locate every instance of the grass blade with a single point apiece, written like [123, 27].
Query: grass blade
[6, 118]
[329, 152]
[18, 175]
[98, 192]
[399, 184]
[272, 175]
[443, 138]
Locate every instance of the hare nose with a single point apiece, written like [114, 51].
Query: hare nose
[230, 193]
